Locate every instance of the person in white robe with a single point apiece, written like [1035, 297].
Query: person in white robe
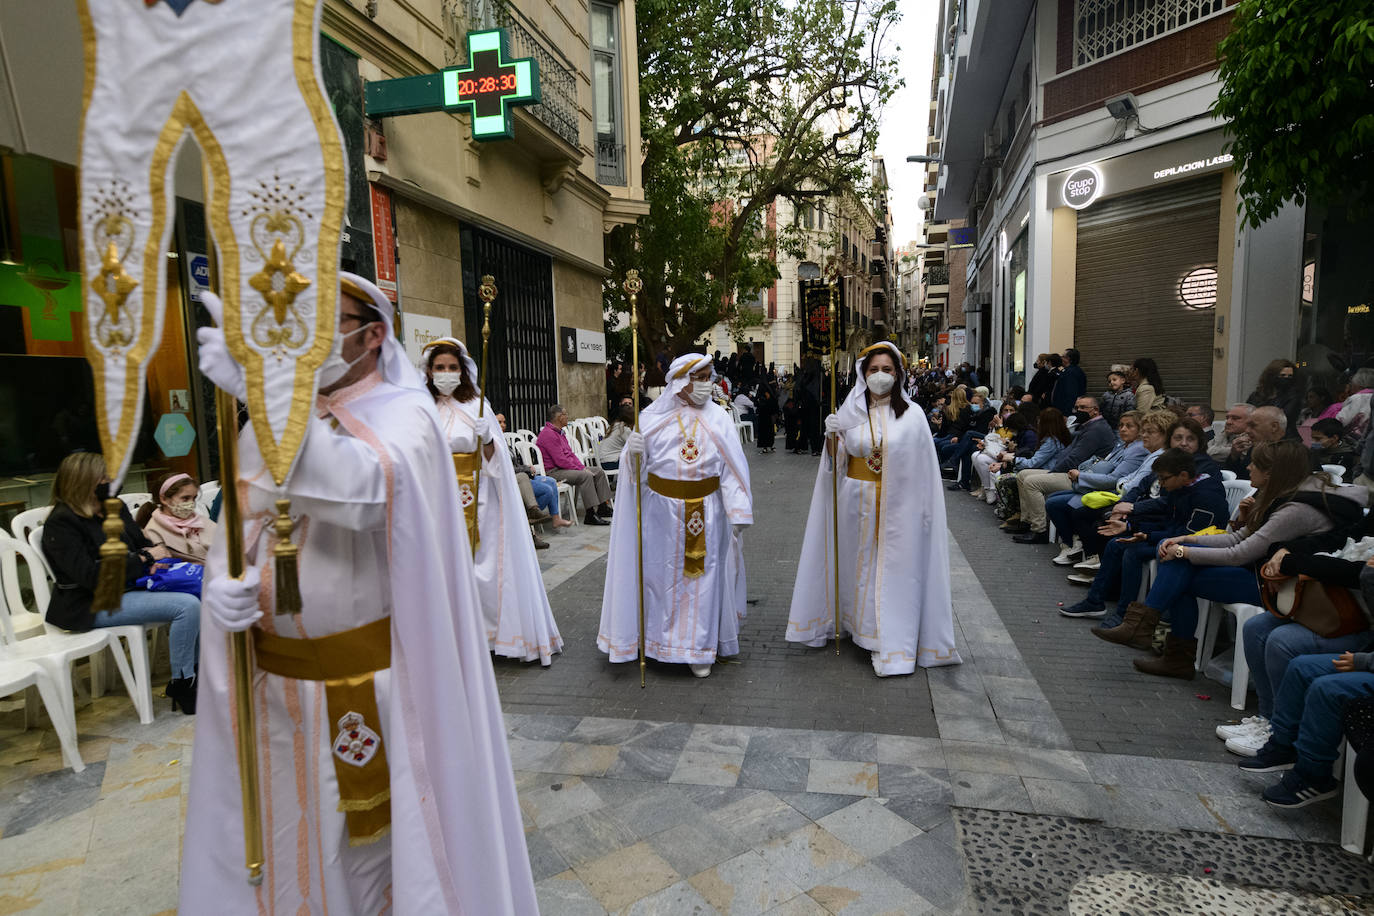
[386, 781]
[694, 482]
[519, 621]
[894, 553]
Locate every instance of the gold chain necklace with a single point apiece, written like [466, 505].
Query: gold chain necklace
[689, 451]
[875, 458]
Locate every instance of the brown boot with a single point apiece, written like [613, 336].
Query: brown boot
[1177, 660]
[1135, 629]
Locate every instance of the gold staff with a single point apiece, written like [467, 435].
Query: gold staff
[226, 412]
[486, 292]
[632, 286]
[835, 466]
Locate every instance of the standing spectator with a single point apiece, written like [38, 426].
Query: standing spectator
[1071, 385]
[766, 417]
[1117, 399]
[1223, 445]
[791, 424]
[1042, 383]
[809, 406]
[1354, 413]
[1276, 388]
[1149, 387]
[559, 460]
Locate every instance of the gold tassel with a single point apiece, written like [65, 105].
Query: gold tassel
[114, 554]
[287, 582]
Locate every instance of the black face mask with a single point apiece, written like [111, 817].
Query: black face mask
[1080, 417]
[1283, 384]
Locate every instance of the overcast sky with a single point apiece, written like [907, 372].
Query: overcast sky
[907, 117]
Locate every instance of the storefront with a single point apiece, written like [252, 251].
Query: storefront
[1143, 248]
[1336, 304]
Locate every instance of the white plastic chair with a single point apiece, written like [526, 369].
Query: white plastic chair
[530, 455]
[56, 650]
[1208, 625]
[1228, 475]
[1336, 472]
[28, 520]
[206, 497]
[19, 674]
[1354, 809]
[1236, 490]
[744, 427]
[136, 501]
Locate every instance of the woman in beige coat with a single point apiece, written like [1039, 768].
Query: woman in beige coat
[173, 522]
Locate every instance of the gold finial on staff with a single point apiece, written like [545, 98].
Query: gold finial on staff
[632, 286]
[486, 291]
[835, 460]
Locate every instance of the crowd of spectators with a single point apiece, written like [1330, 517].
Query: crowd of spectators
[1157, 507]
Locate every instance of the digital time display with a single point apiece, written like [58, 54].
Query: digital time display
[476, 87]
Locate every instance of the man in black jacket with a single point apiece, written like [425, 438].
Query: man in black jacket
[1071, 384]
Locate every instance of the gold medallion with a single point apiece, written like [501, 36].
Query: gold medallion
[875, 460]
[689, 451]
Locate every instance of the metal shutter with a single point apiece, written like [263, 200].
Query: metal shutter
[1132, 253]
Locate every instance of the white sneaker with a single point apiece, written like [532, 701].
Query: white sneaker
[1248, 745]
[1246, 726]
[1082, 578]
[990, 497]
[1067, 554]
[1089, 563]
[700, 670]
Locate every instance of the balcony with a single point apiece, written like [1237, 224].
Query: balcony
[557, 108]
[610, 162]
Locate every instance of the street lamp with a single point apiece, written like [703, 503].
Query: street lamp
[935, 159]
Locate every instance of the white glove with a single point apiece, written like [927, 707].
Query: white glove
[487, 428]
[215, 362]
[634, 443]
[832, 425]
[233, 603]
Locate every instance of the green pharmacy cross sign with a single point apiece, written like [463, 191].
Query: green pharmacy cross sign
[488, 87]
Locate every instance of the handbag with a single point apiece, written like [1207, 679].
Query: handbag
[173, 576]
[1100, 499]
[1330, 612]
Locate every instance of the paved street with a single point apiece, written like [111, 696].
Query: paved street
[1042, 776]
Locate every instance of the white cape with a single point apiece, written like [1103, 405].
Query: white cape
[685, 620]
[515, 606]
[378, 535]
[894, 557]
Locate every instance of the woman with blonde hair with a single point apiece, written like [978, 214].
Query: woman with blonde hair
[173, 522]
[72, 536]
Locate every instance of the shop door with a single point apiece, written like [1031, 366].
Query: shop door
[1146, 285]
[520, 374]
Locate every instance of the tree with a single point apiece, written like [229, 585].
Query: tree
[742, 104]
[1298, 95]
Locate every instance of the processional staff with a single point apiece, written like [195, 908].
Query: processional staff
[632, 286]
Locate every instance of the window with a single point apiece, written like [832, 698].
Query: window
[1103, 27]
[606, 113]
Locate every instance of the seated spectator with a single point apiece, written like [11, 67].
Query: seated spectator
[1053, 436]
[1092, 437]
[1270, 643]
[1236, 418]
[960, 451]
[613, 443]
[1354, 412]
[1189, 499]
[1117, 399]
[1117, 472]
[1018, 439]
[1266, 424]
[1330, 445]
[538, 494]
[1318, 401]
[1305, 736]
[744, 405]
[955, 418]
[592, 486]
[1290, 503]
[72, 536]
[172, 521]
[1204, 415]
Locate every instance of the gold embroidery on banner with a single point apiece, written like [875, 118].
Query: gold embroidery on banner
[279, 284]
[113, 288]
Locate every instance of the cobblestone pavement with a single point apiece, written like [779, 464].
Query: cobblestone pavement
[791, 782]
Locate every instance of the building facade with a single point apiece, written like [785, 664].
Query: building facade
[1075, 139]
[430, 209]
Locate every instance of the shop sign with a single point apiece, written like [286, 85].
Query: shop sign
[384, 241]
[1184, 168]
[1082, 186]
[579, 345]
[942, 338]
[963, 237]
[420, 330]
[958, 337]
[488, 87]
[174, 435]
[198, 270]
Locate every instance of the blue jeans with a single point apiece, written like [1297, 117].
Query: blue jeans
[1179, 584]
[1271, 643]
[545, 493]
[1308, 709]
[1123, 566]
[182, 611]
[1060, 513]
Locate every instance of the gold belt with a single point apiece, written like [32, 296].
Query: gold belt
[347, 663]
[468, 465]
[693, 493]
[858, 469]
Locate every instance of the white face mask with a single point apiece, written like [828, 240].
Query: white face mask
[335, 366]
[446, 382]
[699, 393]
[183, 509]
[880, 383]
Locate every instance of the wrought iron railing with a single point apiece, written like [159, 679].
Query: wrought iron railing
[1103, 27]
[610, 162]
[557, 108]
